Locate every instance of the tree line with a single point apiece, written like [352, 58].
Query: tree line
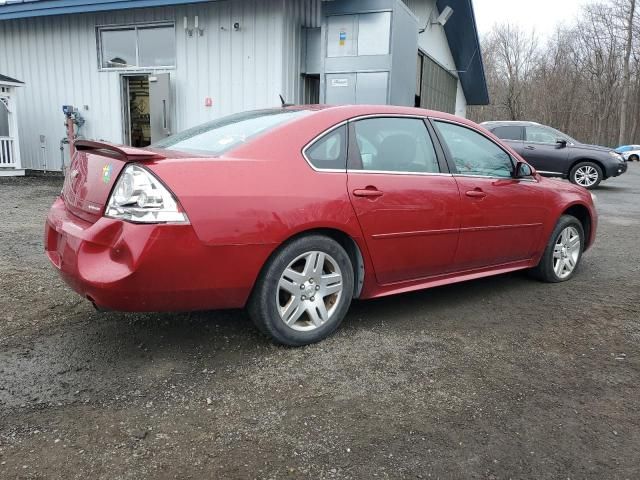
[584, 80]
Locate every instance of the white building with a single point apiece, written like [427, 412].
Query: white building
[136, 69]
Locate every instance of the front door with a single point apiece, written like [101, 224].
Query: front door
[502, 217]
[407, 203]
[541, 150]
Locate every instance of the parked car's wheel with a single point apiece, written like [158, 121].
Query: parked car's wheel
[586, 174]
[304, 291]
[563, 252]
[634, 158]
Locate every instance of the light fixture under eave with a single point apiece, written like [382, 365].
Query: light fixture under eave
[444, 16]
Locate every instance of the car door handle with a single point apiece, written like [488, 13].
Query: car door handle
[476, 193]
[529, 147]
[369, 192]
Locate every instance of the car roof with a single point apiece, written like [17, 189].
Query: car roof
[514, 123]
[350, 111]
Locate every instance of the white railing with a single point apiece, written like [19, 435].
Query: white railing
[7, 153]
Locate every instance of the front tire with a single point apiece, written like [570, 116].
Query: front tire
[586, 174]
[563, 252]
[304, 291]
[634, 158]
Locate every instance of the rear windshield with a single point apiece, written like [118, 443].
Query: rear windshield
[221, 135]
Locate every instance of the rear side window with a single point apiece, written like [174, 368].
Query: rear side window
[474, 154]
[224, 134]
[509, 132]
[330, 151]
[395, 144]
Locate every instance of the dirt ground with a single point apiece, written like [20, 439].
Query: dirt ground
[493, 379]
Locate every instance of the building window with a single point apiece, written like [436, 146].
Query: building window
[436, 87]
[139, 46]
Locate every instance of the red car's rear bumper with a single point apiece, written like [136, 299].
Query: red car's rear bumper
[133, 267]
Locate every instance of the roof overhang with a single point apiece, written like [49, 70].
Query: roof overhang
[462, 35]
[41, 8]
[11, 82]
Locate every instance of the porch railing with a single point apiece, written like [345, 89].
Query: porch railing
[7, 155]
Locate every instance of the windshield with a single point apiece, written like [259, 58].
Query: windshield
[564, 136]
[223, 134]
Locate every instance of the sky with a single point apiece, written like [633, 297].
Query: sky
[543, 15]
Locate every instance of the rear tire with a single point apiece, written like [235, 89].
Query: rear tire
[586, 174]
[563, 253]
[634, 158]
[303, 292]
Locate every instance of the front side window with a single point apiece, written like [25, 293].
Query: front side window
[394, 144]
[474, 154]
[220, 136]
[330, 151]
[150, 46]
[541, 135]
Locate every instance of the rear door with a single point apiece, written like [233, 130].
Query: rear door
[406, 201]
[501, 217]
[542, 151]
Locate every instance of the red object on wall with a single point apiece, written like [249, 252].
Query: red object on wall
[208, 102]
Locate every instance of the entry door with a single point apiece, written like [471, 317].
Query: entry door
[542, 151]
[501, 217]
[407, 208]
[160, 106]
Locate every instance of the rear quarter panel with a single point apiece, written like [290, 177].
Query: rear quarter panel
[263, 194]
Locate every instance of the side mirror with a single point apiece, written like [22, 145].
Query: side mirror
[561, 142]
[523, 170]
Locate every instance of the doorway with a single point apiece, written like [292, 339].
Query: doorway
[136, 110]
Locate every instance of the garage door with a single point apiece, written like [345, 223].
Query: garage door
[436, 87]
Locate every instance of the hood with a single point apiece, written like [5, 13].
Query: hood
[593, 148]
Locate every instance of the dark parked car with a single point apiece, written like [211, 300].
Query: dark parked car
[556, 154]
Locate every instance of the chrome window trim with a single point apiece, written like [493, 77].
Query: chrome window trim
[309, 144]
[473, 129]
[393, 172]
[490, 177]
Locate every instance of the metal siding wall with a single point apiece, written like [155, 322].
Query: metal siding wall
[56, 57]
[434, 42]
[298, 14]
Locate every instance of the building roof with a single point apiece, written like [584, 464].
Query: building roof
[10, 9]
[462, 35]
[461, 31]
[5, 79]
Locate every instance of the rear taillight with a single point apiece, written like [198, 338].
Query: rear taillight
[140, 197]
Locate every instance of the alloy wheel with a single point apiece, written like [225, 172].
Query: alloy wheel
[309, 291]
[586, 176]
[566, 252]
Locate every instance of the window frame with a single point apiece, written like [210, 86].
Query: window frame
[135, 27]
[523, 133]
[543, 127]
[452, 164]
[319, 138]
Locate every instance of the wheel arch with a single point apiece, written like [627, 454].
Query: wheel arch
[344, 239]
[590, 160]
[582, 213]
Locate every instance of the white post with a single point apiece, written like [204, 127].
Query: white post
[13, 130]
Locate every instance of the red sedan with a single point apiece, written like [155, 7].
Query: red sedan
[294, 212]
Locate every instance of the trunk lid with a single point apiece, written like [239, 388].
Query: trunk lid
[94, 169]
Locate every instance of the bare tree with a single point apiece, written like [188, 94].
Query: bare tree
[626, 82]
[584, 80]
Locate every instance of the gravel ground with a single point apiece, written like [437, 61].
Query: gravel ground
[497, 378]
